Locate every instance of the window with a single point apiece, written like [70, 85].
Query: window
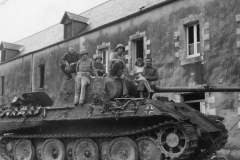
[68, 30]
[42, 72]
[139, 48]
[105, 60]
[196, 101]
[2, 80]
[193, 40]
[3, 55]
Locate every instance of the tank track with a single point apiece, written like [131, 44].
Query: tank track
[188, 129]
[216, 144]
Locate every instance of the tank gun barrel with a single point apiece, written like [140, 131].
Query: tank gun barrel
[196, 89]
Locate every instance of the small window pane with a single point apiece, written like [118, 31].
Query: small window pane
[2, 79]
[3, 56]
[104, 57]
[198, 33]
[42, 74]
[68, 30]
[198, 48]
[190, 34]
[139, 46]
[191, 49]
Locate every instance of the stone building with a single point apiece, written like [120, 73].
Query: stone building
[192, 43]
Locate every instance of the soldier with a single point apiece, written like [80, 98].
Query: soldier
[150, 72]
[85, 69]
[151, 75]
[118, 68]
[98, 65]
[68, 62]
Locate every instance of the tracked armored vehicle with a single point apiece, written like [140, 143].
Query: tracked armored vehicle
[107, 127]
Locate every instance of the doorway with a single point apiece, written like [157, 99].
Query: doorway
[195, 100]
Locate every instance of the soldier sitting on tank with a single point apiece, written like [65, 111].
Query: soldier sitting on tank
[85, 69]
[151, 75]
[139, 77]
[68, 62]
[98, 65]
[118, 69]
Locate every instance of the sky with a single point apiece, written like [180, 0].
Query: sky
[22, 18]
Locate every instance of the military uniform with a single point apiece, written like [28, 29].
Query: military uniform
[99, 66]
[151, 75]
[66, 60]
[118, 69]
[84, 68]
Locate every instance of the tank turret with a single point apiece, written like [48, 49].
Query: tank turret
[108, 127]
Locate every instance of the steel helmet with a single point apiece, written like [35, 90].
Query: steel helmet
[83, 51]
[120, 46]
[97, 56]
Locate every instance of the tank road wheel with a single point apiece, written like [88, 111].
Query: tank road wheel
[23, 150]
[123, 149]
[148, 149]
[53, 149]
[103, 146]
[172, 141]
[85, 149]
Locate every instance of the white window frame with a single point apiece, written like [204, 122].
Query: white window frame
[107, 58]
[195, 43]
[203, 107]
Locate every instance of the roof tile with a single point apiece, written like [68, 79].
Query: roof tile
[105, 13]
[11, 46]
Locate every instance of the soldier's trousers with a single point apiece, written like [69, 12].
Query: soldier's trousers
[124, 83]
[68, 73]
[81, 81]
[147, 84]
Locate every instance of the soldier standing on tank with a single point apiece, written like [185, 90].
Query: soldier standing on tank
[98, 65]
[120, 74]
[151, 75]
[85, 69]
[68, 62]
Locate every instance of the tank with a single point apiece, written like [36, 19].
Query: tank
[108, 127]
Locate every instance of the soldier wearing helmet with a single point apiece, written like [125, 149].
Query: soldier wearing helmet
[119, 52]
[98, 65]
[118, 69]
[85, 69]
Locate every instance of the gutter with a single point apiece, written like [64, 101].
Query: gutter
[100, 27]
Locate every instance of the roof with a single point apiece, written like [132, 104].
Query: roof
[105, 13]
[74, 17]
[42, 39]
[115, 9]
[11, 46]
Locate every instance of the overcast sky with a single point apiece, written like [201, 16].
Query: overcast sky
[22, 18]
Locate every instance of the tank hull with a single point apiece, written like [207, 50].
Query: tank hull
[146, 128]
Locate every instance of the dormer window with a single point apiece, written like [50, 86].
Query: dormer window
[9, 50]
[68, 30]
[3, 55]
[73, 24]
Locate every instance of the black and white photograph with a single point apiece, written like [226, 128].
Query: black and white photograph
[120, 80]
